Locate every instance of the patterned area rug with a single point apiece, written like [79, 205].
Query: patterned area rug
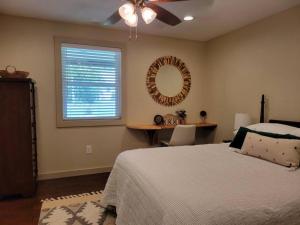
[83, 209]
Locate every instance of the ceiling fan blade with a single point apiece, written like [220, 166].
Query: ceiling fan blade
[167, 0]
[164, 15]
[114, 18]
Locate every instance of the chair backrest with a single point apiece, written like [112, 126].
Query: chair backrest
[183, 135]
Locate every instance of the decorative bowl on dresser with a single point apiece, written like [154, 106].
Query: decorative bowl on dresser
[18, 159]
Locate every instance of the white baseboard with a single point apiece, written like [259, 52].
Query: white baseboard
[73, 173]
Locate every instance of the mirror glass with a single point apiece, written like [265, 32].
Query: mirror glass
[169, 80]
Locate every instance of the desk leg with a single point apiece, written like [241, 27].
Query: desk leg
[151, 134]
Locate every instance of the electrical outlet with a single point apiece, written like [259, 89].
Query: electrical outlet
[88, 149]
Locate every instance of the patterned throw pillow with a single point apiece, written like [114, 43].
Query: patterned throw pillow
[280, 151]
[242, 132]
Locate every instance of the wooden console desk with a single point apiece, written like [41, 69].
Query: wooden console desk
[152, 129]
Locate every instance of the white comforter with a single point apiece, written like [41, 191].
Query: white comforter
[201, 185]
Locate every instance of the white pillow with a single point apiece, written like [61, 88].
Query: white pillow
[275, 128]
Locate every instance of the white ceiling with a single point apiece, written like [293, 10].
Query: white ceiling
[212, 17]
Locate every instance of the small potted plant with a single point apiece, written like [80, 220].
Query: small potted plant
[181, 115]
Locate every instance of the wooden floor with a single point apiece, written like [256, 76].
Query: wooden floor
[18, 211]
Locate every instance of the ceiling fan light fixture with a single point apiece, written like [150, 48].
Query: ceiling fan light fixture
[126, 10]
[148, 15]
[132, 20]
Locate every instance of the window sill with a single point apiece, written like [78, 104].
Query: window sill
[88, 123]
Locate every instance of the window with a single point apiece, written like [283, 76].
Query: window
[90, 82]
[90, 85]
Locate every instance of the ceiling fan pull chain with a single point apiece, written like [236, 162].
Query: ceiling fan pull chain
[136, 33]
[136, 9]
[130, 35]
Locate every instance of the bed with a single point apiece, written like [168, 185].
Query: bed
[203, 185]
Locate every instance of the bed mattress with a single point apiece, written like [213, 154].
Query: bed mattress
[201, 185]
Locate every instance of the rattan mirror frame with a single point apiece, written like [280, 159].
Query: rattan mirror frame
[152, 87]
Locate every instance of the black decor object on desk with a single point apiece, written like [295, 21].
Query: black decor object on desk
[203, 115]
[158, 120]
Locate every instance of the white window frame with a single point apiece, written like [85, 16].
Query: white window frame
[81, 122]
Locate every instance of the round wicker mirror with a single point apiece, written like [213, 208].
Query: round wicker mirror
[152, 78]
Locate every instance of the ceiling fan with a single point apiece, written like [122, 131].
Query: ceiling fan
[149, 12]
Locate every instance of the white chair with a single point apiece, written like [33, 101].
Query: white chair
[182, 135]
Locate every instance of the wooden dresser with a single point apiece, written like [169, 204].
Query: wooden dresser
[18, 159]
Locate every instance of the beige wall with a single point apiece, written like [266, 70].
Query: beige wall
[263, 58]
[229, 74]
[28, 45]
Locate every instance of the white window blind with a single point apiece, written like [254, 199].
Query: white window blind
[91, 78]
